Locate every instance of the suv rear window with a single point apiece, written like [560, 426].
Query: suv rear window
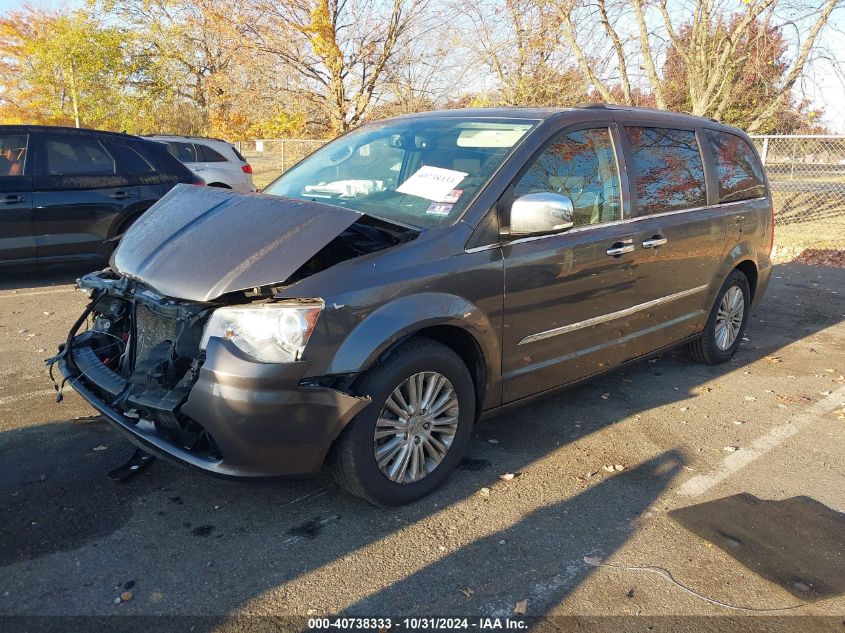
[186, 152]
[77, 156]
[740, 174]
[208, 155]
[668, 169]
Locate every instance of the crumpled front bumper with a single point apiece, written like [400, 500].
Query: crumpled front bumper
[264, 422]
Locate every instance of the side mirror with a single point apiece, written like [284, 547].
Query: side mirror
[541, 213]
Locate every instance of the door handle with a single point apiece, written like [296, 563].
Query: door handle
[654, 242]
[120, 195]
[13, 199]
[620, 248]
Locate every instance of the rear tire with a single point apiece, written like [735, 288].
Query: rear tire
[726, 323]
[353, 457]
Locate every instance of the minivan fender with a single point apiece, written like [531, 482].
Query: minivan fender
[746, 258]
[408, 315]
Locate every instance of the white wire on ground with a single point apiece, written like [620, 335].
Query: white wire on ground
[665, 573]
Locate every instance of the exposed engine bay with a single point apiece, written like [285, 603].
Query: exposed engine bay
[140, 351]
[141, 354]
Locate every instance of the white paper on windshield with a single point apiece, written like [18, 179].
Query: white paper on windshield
[432, 183]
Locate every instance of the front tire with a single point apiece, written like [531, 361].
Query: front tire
[726, 323]
[412, 435]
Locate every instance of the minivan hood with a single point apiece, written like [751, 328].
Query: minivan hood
[198, 243]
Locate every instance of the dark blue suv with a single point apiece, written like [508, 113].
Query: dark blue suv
[65, 192]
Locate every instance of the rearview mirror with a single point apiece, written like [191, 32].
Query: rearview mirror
[541, 213]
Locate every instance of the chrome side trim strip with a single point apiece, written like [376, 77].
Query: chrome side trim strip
[578, 325]
[588, 227]
[478, 249]
[601, 346]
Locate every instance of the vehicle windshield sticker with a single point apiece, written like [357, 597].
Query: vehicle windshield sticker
[452, 196]
[439, 208]
[431, 183]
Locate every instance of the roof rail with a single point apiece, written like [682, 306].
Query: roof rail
[204, 138]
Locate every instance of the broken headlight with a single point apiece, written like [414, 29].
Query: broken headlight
[273, 333]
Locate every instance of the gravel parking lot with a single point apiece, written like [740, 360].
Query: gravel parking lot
[596, 470]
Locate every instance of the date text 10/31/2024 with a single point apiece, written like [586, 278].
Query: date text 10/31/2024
[416, 624]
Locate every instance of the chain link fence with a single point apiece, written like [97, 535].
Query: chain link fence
[806, 173]
[807, 177]
[270, 157]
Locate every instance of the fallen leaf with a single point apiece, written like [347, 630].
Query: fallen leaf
[592, 561]
[484, 492]
[618, 467]
[491, 441]
[521, 607]
[99, 448]
[773, 359]
[506, 476]
[126, 596]
[608, 468]
[731, 449]
[467, 592]
[605, 396]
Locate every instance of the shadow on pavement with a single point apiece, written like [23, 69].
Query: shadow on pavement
[209, 547]
[543, 557]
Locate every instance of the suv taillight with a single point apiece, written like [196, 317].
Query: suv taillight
[247, 169]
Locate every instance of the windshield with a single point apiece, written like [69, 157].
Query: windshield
[420, 171]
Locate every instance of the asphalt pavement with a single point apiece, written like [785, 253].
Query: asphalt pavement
[581, 528]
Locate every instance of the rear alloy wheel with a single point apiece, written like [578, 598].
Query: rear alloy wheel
[726, 322]
[412, 435]
[729, 318]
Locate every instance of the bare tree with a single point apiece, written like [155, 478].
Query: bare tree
[340, 49]
[713, 41]
[516, 42]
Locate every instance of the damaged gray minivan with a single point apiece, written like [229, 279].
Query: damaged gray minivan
[413, 275]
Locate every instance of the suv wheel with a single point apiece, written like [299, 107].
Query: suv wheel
[726, 323]
[410, 438]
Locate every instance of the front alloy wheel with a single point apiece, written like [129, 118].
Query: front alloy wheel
[415, 430]
[416, 427]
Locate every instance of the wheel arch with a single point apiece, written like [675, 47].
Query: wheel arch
[748, 268]
[129, 215]
[448, 319]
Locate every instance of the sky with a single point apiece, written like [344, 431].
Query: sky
[822, 86]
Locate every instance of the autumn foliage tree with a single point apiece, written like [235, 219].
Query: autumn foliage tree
[65, 69]
[284, 68]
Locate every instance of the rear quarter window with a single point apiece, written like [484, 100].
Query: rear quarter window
[739, 172]
[168, 168]
[238, 154]
[668, 169]
[129, 161]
